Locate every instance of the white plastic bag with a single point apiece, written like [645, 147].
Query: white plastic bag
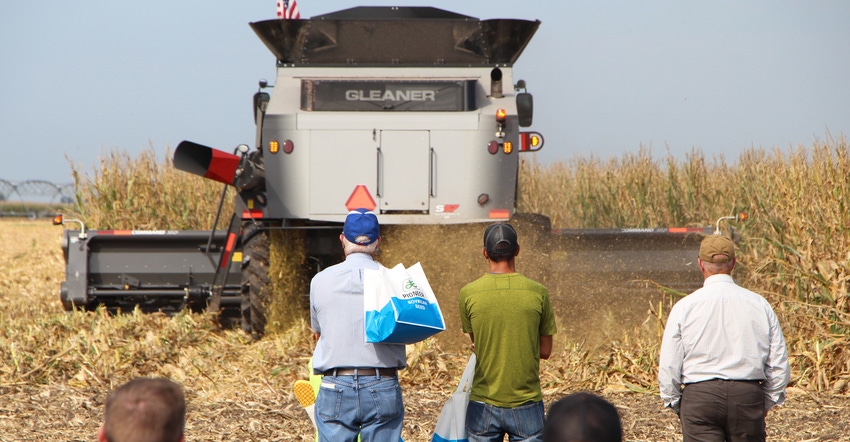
[399, 305]
[451, 425]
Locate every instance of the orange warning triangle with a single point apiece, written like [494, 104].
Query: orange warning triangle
[360, 199]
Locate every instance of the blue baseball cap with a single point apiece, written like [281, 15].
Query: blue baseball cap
[361, 227]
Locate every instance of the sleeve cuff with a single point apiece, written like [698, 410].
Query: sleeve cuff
[675, 406]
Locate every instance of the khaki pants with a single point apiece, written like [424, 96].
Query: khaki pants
[720, 410]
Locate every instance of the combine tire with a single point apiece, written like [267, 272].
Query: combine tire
[255, 278]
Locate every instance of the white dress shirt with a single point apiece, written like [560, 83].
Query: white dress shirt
[723, 331]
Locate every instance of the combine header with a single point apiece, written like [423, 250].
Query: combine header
[157, 270]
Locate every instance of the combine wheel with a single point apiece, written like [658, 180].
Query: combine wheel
[255, 278]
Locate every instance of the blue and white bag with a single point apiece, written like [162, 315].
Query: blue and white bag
[451, 425]
[400, 305]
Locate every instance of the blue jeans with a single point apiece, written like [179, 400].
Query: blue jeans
[370, 406]
[488, 423]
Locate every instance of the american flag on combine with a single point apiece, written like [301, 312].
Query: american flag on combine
[287, 9]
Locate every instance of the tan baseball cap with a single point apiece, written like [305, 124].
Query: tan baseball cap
[717, 249]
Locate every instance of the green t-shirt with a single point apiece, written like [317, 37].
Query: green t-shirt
[507, 313]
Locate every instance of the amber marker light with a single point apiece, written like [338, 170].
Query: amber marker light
[274, 146]
[507, 147]
[59, 220]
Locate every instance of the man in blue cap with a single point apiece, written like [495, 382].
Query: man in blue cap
[359, 393]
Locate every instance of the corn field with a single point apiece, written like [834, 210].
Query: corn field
[795, 247]
[56, 367]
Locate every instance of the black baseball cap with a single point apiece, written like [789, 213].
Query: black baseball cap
[500, 240]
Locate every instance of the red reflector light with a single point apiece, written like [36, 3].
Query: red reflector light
[225, 258]
[288, 146]
[252, 214]
[493, 147]
[500, 214]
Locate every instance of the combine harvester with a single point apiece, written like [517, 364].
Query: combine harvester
[412, 112]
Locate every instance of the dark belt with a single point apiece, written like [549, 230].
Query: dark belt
[388, 372]
[746, 381]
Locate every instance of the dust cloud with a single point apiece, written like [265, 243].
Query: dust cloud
[595, 301]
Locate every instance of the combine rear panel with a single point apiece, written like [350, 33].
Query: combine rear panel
[395, 109]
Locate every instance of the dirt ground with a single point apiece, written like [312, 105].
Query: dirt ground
[265, 409]
[61, 413]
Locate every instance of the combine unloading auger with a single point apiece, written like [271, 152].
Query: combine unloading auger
[244, 171]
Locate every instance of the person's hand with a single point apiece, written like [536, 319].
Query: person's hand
[768, 405]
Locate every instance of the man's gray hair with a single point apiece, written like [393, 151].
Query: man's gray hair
[350, 247]
[719, 267]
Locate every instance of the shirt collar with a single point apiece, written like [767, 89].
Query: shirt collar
[720, 277]
[358, 256]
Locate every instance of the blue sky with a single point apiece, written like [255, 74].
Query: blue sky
[80, 79]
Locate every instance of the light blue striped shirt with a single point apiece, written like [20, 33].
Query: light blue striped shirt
[336, 313]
